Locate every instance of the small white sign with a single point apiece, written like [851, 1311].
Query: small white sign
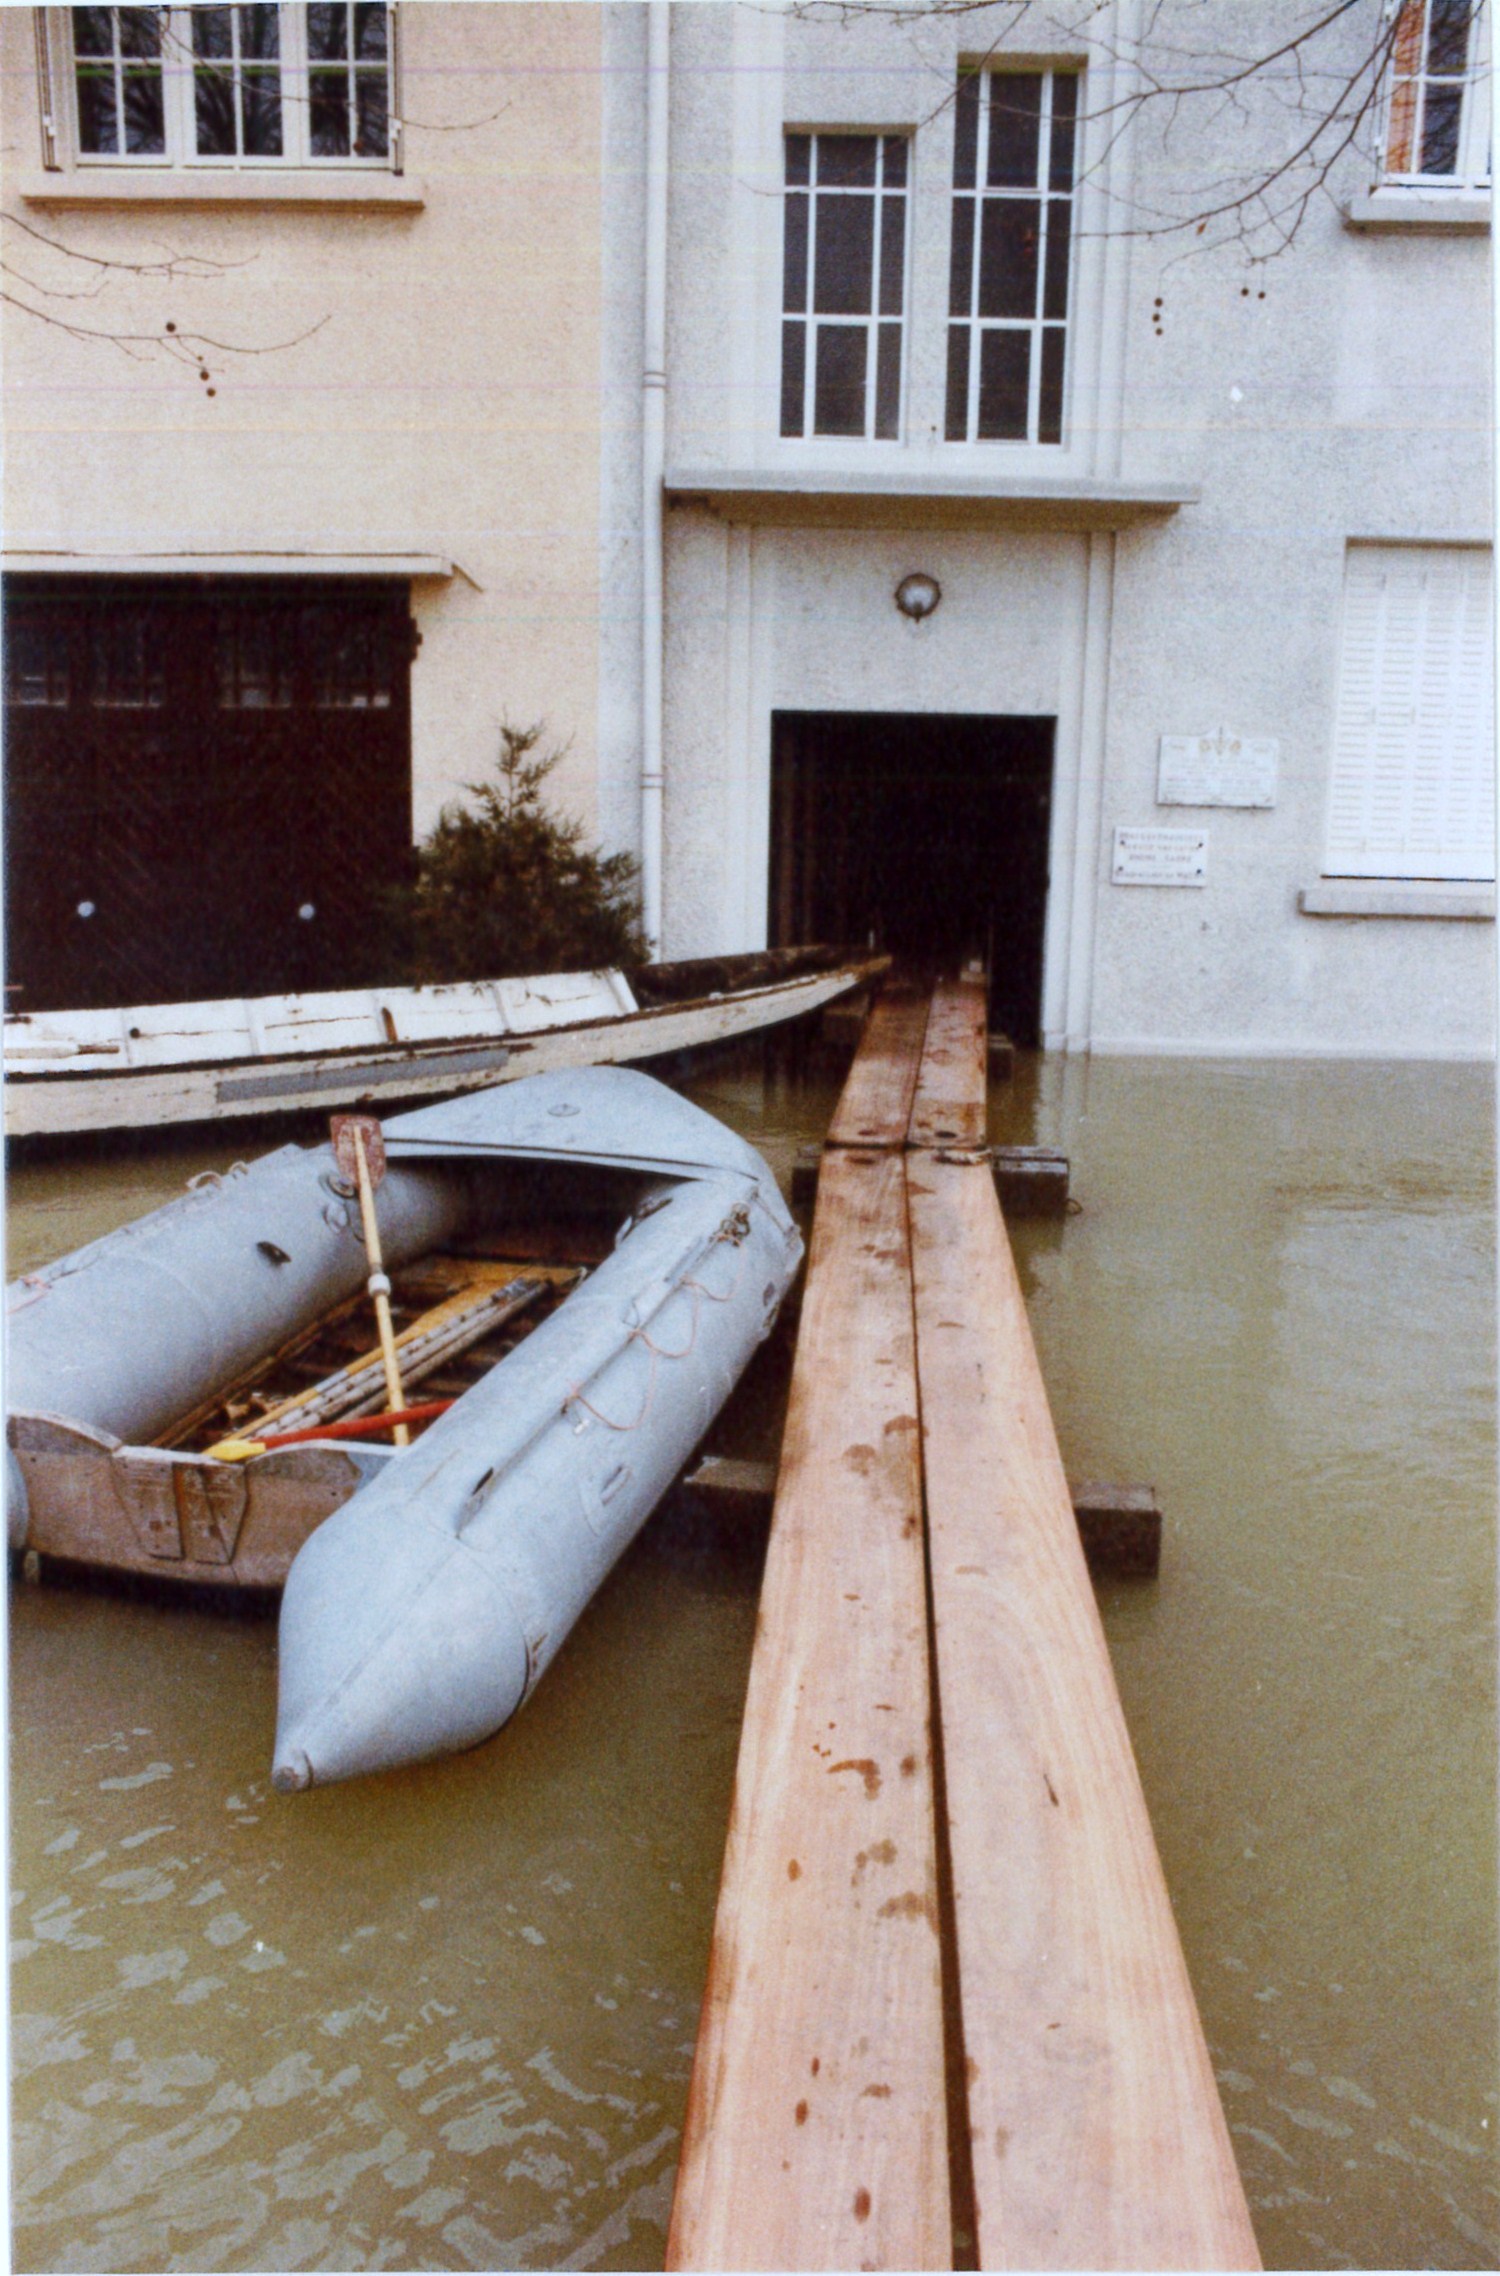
[1160, 857]
[1222, 769]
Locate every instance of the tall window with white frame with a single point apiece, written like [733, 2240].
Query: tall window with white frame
[1437, 126]
[296, 85]
[843, 285]
[1014, 159]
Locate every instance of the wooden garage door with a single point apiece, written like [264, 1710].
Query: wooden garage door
[207, 784]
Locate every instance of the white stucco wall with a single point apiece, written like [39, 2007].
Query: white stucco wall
[1338, 392]
[766, 619]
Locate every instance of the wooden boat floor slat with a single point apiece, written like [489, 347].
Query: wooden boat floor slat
[339, 1344]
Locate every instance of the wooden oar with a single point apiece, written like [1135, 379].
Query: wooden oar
[357, 1144]
[358, 1426]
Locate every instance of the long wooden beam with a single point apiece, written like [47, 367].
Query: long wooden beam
[1097, 2137]
[816, 2133]
[948, 1105]
[875, 1105]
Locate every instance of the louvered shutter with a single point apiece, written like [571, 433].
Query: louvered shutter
[1412, 784]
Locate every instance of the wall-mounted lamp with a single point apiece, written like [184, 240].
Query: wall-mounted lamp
[918, 595]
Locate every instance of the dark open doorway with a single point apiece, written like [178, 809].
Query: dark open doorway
[924, 832]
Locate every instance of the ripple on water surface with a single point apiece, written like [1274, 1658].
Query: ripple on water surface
[444, 2019]
[441, 2019]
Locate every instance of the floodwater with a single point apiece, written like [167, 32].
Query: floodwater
[443, 2019]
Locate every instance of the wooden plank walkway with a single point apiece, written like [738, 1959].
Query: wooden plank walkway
[948, 1103]
[1095, 2136]
[875, 1105]
[815, 2134]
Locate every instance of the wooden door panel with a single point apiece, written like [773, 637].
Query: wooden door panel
[208, 760]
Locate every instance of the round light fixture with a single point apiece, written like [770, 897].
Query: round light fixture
[918, 595]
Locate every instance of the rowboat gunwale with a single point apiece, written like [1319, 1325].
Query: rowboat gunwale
[64, 1100]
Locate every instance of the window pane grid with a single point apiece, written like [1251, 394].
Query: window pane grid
[348, 79]
[252, 84]
[237, 82]
[1012, 236]
[843, 285]
[120, 94]
[1437, 112]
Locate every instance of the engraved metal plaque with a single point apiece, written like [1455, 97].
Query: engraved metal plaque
[1221, 769]
[1159, 857]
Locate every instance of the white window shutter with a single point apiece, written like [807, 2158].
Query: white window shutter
[1412, 782]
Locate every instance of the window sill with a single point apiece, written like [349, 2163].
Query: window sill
[1396, 897]
[821, 496]
[247, 186]
[1440, 213]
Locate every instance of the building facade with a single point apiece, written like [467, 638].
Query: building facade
[835, 426]
[375, 528]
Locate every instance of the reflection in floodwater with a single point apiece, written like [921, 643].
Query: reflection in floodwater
[444, 2019]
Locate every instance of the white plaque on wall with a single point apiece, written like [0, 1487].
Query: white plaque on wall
[1222, 769]
[1160, 857]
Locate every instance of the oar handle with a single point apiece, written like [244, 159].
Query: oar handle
[358, 1426]
[379, 1286]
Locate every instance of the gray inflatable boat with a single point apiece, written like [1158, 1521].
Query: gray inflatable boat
[643, 1245]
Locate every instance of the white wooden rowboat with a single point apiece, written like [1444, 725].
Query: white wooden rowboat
[67, 1073]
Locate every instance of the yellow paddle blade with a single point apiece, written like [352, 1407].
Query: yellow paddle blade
[236, 1449]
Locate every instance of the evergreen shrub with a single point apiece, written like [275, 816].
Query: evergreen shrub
[503, 887]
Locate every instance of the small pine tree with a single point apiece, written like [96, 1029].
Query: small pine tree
[503, 888]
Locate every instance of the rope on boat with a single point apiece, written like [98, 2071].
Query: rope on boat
[732, 1233]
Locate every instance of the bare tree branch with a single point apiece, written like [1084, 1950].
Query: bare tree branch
[169, 263]
[34, 295]
[1326, 78]
[187, 348]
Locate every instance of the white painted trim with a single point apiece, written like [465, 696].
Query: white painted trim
[741, 784]
[62, 564]
[1068, 1007]
[1104, 199]
[1064, 881]
[74, 177]
[653, 461]
[1374, 897]
[1477, 542]
[367, 187]
[1440, 213]
[787, 493]
[765, 570]
[1487, 32]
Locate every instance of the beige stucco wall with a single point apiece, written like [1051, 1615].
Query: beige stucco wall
[447, 403]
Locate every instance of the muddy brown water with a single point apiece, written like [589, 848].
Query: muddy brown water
[444, 2019]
